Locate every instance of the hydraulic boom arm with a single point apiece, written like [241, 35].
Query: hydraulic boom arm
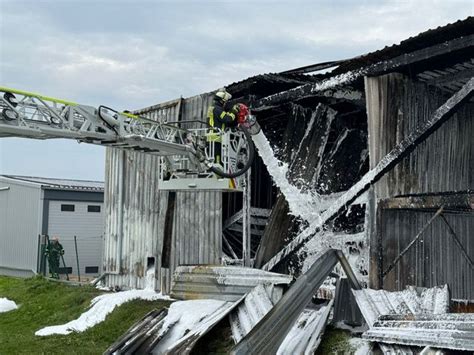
[185, 152]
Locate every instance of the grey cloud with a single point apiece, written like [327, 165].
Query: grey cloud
[132, 54]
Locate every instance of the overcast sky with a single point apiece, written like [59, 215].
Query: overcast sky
[133, 54]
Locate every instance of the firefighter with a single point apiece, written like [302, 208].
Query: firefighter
[217, 115]
[53, 252]
[219, 118]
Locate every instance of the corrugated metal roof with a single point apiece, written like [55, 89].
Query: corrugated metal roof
[60, 184]
[422, 40]
[227, 283]
[376, 303]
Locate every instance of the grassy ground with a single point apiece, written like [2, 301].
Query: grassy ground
[335, 341]
[44, 303]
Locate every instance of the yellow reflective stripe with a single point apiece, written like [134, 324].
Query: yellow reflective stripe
[130, 115]
[213, 137]
[227, 113]
[46, 98]
[210, 115]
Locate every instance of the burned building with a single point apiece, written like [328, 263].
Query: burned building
[411, 227]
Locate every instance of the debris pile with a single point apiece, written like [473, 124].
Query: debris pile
[415, 316]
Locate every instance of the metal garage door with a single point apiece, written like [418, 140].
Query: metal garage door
[85, 220]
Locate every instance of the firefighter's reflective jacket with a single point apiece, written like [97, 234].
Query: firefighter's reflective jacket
[218, 117]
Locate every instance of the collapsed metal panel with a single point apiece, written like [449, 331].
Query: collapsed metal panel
[256, 304]
[267, 336]
[376, 303]
[451, 331]
[142, 336]
[181, 335]
[227, 283]
[415, 317]
[305, 335]
[346, 310]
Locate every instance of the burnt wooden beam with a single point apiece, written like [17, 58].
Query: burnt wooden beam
[372, 70]
[462, 201]
[401, 150]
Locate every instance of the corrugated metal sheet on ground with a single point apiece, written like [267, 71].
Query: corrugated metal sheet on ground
[271, 330]
[256, 304]
[142, 336]
[305, 335]
[346, 310]
[451, 331]
[375, 303]
[303, 338]
[180, 334]
[220, 282]
[415, 317]
[395, 349]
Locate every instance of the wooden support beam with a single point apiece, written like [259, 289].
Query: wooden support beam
[372, 70]
[401, 150]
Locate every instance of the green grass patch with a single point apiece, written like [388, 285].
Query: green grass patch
[43, 303]
[335, 341]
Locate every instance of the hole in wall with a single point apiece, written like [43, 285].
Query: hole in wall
[150, 262]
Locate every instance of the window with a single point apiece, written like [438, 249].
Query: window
[62, 270]
[93, 208]
[67, 208]
[92, 269]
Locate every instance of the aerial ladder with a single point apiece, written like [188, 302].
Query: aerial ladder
[187, 155]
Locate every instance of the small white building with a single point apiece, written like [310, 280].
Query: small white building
[34, 206]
